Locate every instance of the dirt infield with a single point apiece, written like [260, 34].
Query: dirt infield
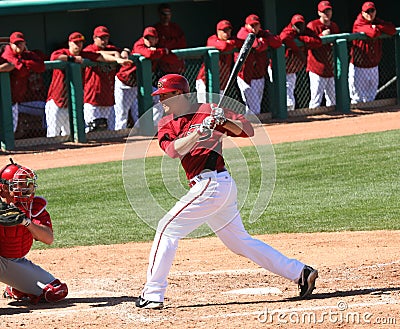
[358, 287]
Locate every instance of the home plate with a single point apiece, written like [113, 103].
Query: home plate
[255, 291]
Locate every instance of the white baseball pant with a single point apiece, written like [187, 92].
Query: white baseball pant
[57, 120]
[363, 83]
[252, 94]
[91, 112]
[202, 91]
[320, 86]
[212, 200]
[290, 86]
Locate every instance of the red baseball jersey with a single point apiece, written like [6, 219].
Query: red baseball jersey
[171, 36]
[16, 241]
[320, 60]
[127, 73]
[171, 128]
[255, 66]
[58, 88]
[99, 80]
[296, 57]
[368, 53]
[24, 63]
[225, 60]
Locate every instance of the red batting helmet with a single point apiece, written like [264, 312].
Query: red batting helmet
[172, 82]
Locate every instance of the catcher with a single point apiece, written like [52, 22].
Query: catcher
[23, 218]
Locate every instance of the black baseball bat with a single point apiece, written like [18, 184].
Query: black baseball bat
[243, 53]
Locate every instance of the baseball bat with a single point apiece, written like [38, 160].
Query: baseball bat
[243, 53]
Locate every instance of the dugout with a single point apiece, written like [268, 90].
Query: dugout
[46, 24]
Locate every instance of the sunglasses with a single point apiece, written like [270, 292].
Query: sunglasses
[370, 11]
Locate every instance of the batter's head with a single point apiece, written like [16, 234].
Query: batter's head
[170, 83]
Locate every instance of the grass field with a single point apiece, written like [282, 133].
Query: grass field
[343, 183]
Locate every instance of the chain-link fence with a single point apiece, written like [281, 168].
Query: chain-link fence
[115, 107]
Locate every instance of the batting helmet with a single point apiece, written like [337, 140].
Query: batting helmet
[172, 82]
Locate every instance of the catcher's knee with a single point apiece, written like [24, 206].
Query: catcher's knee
[55, 291]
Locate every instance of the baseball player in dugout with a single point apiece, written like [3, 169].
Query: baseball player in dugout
[126, 87]
[23, 63]
[170, 36]
[320, 60]
[225, 43]
[296, 57]
[57, 116]
[365, 55]
[99, 81]
[251, 78]
[193, 133]
[25, 280]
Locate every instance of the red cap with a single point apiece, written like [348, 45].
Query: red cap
[297, 19]
[251, 19]
[151, 31]
[368, 5]
[223, 24]
[17, 37]
[76, 36]
[324, 5]
[101, 31]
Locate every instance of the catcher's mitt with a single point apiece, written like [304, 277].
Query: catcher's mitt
[10, 215]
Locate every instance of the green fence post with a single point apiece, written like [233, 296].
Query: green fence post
[279, 105]
[397, 56]
[341, 71]
[212, 73]
[6, 117]
[145, 100]
[75, 104]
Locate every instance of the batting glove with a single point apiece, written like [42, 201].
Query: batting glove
[218, 114]
[206, 128]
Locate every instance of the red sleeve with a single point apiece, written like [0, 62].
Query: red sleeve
[385, 27]
[363, 26]
[310, 39]
[56, 54]
[93, 56]
[166, 136]
[287, 36]
[33, 62]
[39, 214]
[273, 40]
[223, 46]
[140, 48]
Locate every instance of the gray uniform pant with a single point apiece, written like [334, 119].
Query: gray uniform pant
[22, 274]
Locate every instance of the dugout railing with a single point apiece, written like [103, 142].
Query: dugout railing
[273, 103]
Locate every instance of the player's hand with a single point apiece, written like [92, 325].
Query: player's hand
[124, 61]
[206, 128]
[218, 114]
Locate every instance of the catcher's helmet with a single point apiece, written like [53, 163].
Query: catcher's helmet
[21, 181]
[172, 82]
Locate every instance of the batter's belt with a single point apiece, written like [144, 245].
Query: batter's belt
[204, 175]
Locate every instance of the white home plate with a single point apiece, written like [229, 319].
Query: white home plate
[255, 291]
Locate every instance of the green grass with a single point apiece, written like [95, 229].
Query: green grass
[344, 183]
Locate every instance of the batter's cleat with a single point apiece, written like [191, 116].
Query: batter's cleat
[144, 303]
[307, 281]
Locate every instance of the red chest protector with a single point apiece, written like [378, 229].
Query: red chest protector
[16, 241]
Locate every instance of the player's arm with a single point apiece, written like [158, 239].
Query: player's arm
[41, 232]
[6, 67]
[106, 57]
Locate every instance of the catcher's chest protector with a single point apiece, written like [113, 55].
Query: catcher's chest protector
[15, 241]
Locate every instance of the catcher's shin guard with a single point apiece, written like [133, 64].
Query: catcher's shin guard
[55, 291]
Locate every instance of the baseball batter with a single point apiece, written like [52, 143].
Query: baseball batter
[365, 55]
[193, 133]
[24, 279]
[320, 60]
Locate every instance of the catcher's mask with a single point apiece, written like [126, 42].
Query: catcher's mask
[21, 181]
